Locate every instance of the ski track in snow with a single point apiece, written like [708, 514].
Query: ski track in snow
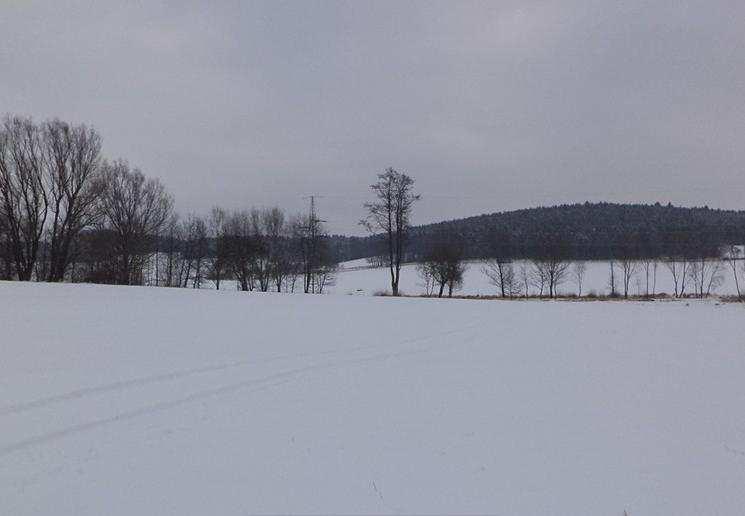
[260, 384]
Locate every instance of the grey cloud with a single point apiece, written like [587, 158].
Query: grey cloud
[489, 105]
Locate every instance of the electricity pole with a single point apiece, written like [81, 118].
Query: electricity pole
[312, 230]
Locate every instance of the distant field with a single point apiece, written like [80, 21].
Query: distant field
[357, 278]
[132, 400]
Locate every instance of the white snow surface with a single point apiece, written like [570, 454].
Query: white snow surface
[357, 277]
[127, 400]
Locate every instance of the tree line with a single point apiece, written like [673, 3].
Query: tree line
[69, 214]
[587, 231]
[696, 256]
[551, 270]
[695, 268]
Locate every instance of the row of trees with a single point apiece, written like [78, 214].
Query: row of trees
[260, 249]
[695, 259]
[441, 273]
[444, 266]
[66, 213]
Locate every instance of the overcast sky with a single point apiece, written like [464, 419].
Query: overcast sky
[489, 106]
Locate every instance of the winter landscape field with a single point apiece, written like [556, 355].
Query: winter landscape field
[359, 278]
[364, 257]
[136, 400]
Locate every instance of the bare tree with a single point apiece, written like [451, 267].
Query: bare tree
[277, 241]
[538, 276]
[195, 250]
[310, 246]
[501, 274]
[706, 275]
[628, 269]
[524, 275]
[714, 278]
[444, 263]
[424, 269]
[650, 275]
[97, 256]
[325, 275]
[134, 209]
[557, 270]
[261, 263]
[294, 262]
[578, 274]
[498, 266]
[168, 270]
[732, 254]
[71, 156]
[549, 272]
[301, 248]
[241, 248]
[24, 198]
[390, 214]
[181, 253]
[6, 260]
[218, 262]
[679, 271]
[272, 261]
[550, 258]
[612, 282]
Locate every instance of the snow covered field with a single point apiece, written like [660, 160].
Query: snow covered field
[357, 278]
[125, 400]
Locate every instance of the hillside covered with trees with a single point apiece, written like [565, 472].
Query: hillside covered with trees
[576, 231]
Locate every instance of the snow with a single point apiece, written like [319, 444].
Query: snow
[127, 400]
[356, 277]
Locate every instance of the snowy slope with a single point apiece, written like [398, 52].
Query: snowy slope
[121, 401]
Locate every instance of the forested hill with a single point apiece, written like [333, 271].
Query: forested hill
[580, 231]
